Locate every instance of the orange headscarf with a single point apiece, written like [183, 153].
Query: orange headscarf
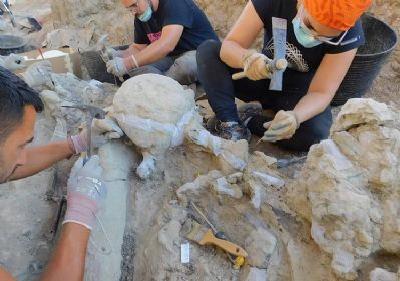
[128, 3]
[337, 14]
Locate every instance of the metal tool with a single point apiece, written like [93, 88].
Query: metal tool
[101, 47]
[283, 163]
[58, 196]
[279, 64]
[92, 112]
[8, 11]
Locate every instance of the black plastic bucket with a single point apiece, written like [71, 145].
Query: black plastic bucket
[11, 44]
[380, 41]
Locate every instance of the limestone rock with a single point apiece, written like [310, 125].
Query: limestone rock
[269, 180]
[268, 160]
[376, 149]
[359, 111]
[345, 217]
[262, 181]
[223, 188]
[349, 188]
[256, 192]
[253, 274]
[260, 245]
[235, 178]
[391, 225]
[198, 185]
[379, 274]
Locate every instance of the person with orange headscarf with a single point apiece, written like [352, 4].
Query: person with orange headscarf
[322, 40]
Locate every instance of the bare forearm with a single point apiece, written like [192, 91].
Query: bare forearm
[153, 52]
[43, 157]
[68, 261]
[311, 105]
[232, 54]
[133, 49]
[5, 276]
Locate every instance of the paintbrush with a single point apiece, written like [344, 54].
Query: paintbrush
[205, 236]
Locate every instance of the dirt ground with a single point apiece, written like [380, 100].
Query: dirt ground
[153, 206]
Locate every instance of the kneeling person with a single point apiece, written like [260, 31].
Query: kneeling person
[167, 34]
[322, 41]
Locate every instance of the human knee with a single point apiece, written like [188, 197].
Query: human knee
[184, 69]
[208, 50]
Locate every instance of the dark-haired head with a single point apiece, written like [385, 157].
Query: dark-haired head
[18, 106]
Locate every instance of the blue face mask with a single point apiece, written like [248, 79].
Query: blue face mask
[302, 37]
[145, 17]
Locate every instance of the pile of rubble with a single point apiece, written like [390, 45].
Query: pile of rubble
[349, 188]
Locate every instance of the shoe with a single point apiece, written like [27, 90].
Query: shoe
[231, 131]
[248, 111]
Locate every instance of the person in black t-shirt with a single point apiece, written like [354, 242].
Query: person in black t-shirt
[167, 34]
[322, 41]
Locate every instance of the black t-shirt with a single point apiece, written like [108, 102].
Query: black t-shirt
[303, 62]
[196, 26]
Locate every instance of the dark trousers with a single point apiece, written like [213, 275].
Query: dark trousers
[216, 78]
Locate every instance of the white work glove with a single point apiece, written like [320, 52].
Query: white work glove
[283, 126]
[103, 130]
[12, 62]
[256, 65]
[117, 67]
[38, 76]
[112, 53]
[85, 192]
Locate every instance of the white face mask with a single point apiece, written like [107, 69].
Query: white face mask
[306, 37]
[146, 15]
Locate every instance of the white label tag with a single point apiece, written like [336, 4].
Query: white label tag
[185, 253]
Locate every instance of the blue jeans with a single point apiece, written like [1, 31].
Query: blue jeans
[216, 78]
[181, 68]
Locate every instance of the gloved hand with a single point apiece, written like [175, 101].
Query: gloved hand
[117, 67]
[38, 75]
[256, 66]
[282, 127]
[102, 131]
[85, 192]
[112, 53]
[12, 62]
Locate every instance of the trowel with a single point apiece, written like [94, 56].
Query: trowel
[279, 64]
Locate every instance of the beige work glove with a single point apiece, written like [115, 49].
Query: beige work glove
[117, 67]
[282, 127]
[256, 65]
